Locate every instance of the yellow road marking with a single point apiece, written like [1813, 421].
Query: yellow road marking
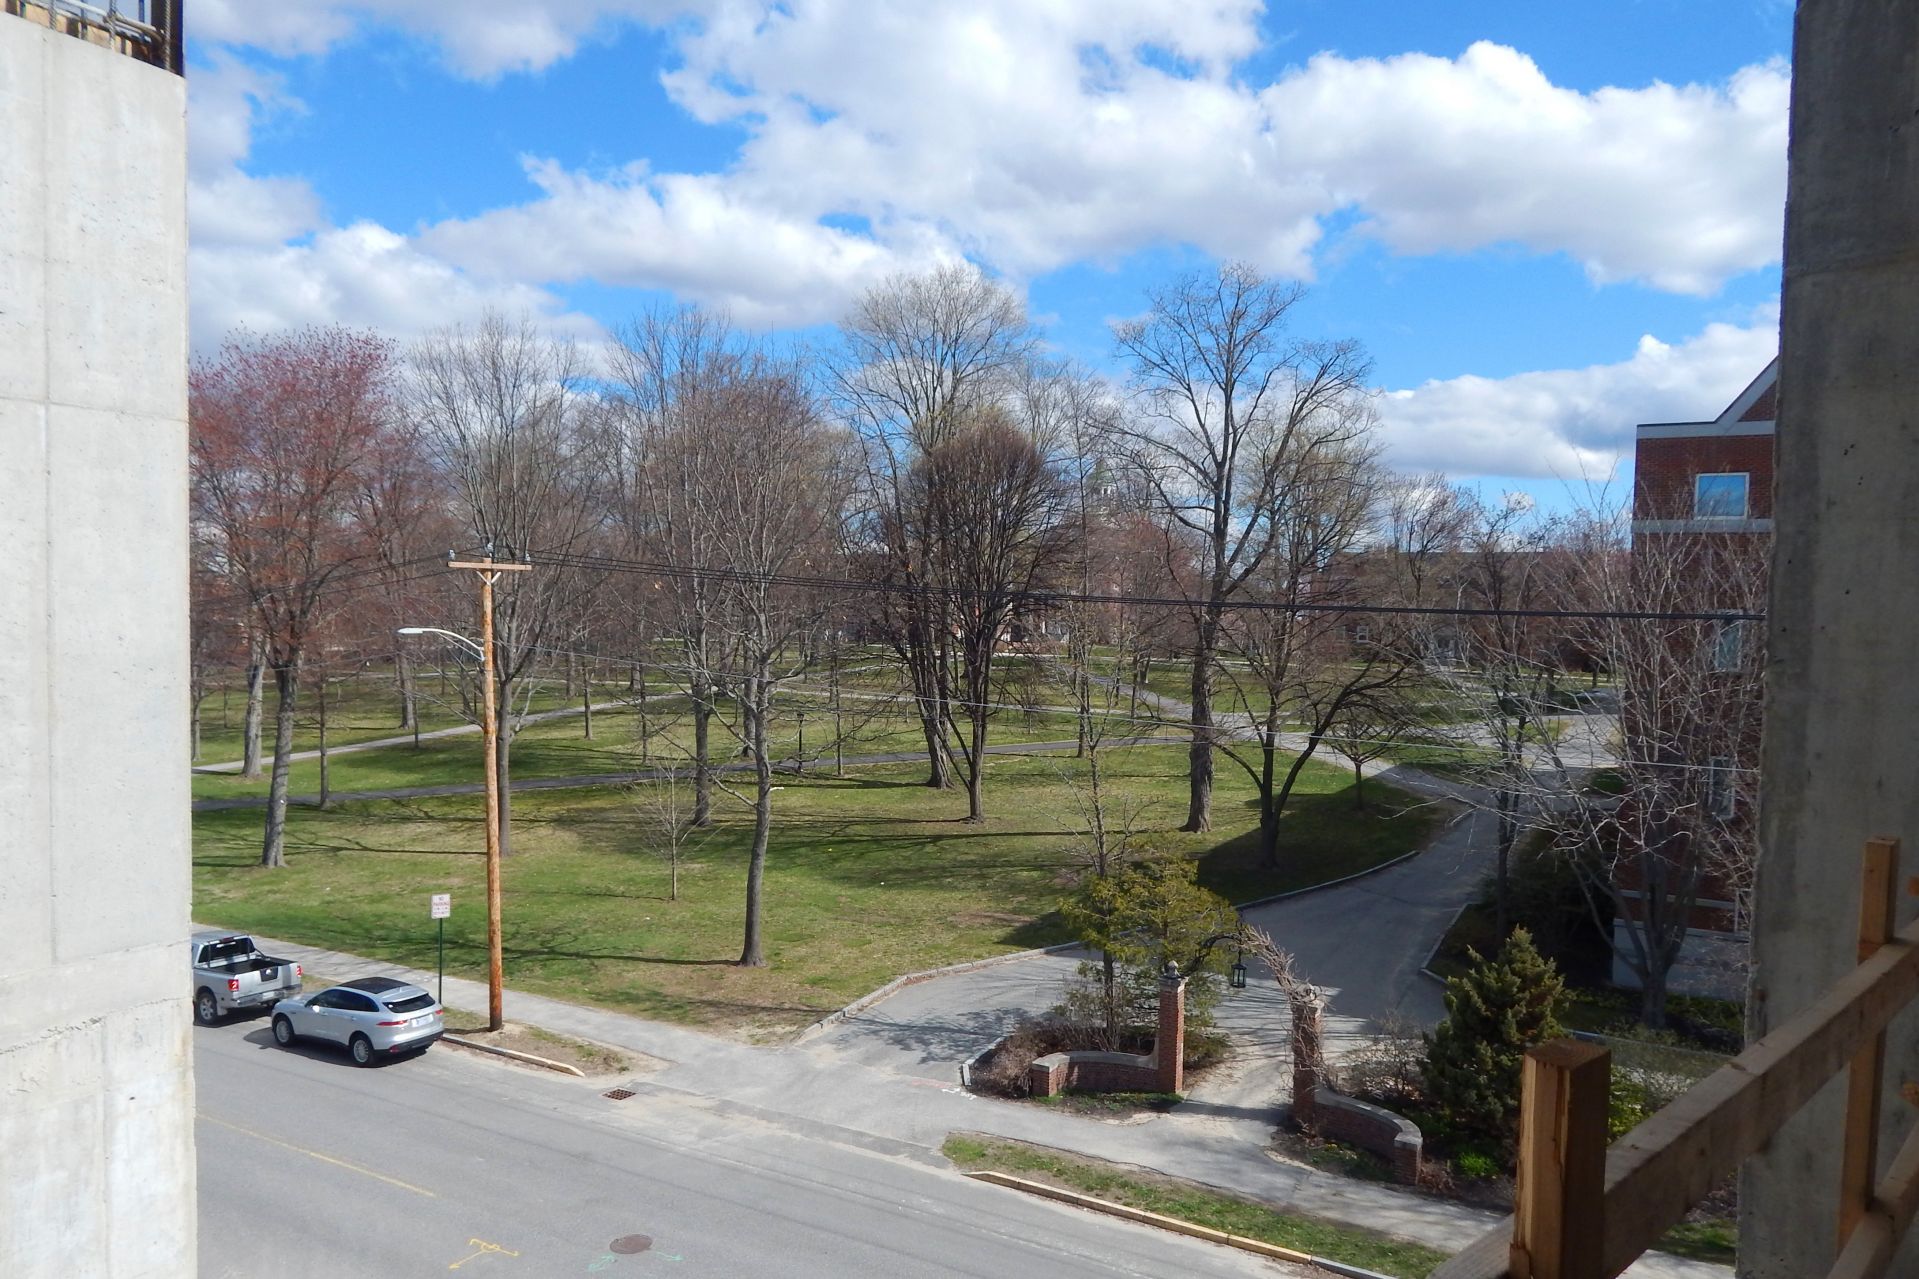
[484, 1248]
[325, 1159]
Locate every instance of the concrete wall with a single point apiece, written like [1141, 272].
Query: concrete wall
[1842, 687]
[96, 1098]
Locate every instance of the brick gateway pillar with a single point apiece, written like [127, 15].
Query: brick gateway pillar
[1169, 1051]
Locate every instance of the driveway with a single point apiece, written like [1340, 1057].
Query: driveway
[1364, 941]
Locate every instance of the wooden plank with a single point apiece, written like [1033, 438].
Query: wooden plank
[1868, 1253]
[1560, 1196]
[1859, 1157]
[1486, 1257]
[1660, 1169]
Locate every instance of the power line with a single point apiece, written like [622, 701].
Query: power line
[1044, 598]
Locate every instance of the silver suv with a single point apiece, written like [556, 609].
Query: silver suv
[370, 1016]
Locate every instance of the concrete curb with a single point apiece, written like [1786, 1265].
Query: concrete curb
[971, 1064]
[898, 984]
[1426, 967]
[1331, 883]
[1140, 1215]
[528, 1058]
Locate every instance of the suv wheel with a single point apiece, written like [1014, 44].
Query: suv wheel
[362, 1050]
[283, 1031]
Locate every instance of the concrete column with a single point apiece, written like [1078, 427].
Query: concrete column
[96, 1098]
[1842, 693]
[1169, 1052]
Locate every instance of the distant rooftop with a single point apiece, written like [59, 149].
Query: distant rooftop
[149, 30]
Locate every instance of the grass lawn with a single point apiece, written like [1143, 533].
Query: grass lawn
[868, 877]
[1198, 1204]
[560, 748]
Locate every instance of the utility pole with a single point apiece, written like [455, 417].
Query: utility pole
[489, 572]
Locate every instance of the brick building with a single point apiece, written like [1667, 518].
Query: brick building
[1702, 540]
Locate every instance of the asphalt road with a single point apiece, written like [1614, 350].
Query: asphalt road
[451, 1162]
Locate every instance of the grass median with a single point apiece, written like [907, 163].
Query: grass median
[1191, 1202]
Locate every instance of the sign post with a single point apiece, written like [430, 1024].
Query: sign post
[442, 907]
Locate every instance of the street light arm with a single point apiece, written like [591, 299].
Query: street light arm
[472, 646]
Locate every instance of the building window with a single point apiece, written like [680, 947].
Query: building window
[1719, 497]
[1729, 644]
[1719, 790]
[1362, 633]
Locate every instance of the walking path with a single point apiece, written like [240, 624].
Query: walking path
[408, 739]
[910, 1116]
[641, 775]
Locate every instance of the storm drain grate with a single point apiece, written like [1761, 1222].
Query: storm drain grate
[617, 1094]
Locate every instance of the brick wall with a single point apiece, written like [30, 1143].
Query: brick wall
[1663, 471]
[1162, 1070]
[1319, 1108]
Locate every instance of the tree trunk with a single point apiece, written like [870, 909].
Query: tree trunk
[1502, 914]
[1359, 781]
[286, 683]
[702, 759]
[976, 765]
[586, 707]
[256, 705]
[751, 955]
[193, 724]
[503, 752]
[1199, 806]
[326, 773]
[409, 703]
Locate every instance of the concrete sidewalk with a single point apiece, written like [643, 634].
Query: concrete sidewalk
[861, 1106]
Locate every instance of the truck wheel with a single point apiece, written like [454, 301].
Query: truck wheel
[362, 1050]
[206, 1009]
[283, 1032]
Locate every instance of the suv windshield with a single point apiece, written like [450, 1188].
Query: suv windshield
[410, 1003]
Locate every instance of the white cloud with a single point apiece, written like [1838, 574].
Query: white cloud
[690, 234]
[1030, 134]
[1679, 186]
[1573, 424]
[264, 256]
[1039, 134]
[480, 39]
[361, 275]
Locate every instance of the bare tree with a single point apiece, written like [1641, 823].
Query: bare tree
[282, 430]
[1510, 660]
[1224, 397]
[672, 375]
[773, 487]
[498, 407]
[1300, 663]
[920, 356]
[664, 807]
[1667, 823]
[987, 510]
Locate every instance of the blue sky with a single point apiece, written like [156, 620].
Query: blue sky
[1545, 222]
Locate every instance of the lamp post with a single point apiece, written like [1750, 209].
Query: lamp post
[1238, 978]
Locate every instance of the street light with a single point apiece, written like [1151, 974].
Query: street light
[472, 647]
[489, 731]
[1239, 970]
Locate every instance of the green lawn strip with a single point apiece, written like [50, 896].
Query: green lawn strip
[1715, 1241]
[362, 709]
[868, 877]
[560, 748]
[1191, 1202]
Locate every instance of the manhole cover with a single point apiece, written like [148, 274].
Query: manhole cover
[631, 1243]
[617, 1094]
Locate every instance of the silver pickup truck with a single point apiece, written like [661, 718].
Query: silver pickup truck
[230, 973]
